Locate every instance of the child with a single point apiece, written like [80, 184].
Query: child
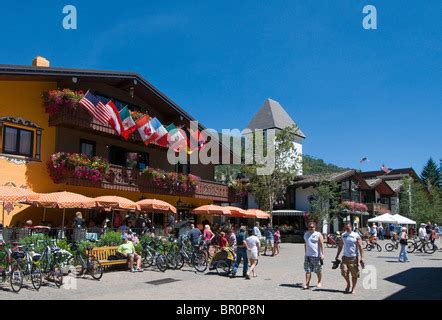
[223, 240]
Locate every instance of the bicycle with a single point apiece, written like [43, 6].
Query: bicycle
[421, 245]
[88, 264]
[394, 245]
[31, 271]
[191, 255]
[372, 244]
[10, 268]
[151, 255]
[49, 262]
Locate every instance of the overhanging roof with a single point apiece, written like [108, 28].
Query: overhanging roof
[281, 213]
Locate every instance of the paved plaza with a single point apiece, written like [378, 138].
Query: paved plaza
[278, 278]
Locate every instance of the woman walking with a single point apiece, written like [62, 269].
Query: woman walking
[403, 242]
[253, 245]
[277, 237]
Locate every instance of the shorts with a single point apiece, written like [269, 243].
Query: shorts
[252, 255]
[350, 265]
[312, 264]
[270, 242]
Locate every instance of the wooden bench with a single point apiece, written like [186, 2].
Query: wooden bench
[103, 253]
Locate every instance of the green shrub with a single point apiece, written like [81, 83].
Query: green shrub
[38, 247]
[110, 238]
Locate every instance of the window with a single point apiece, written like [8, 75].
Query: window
[20, 137]
[183, 168]
[88, 148]
[117, 156]
[143, 160]
[18, 141]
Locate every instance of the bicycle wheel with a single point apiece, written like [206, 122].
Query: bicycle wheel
[36, 277]
[180, 261]
[389, 247]
[95, 268]
[57, 275]
[172, 262]
[77, 266]
[368, 247]
[222, 268]
[429, 248]
[378, 247]
[199, 262]
[16, 277]
[161, 262]
[148, 258]
[411, 246]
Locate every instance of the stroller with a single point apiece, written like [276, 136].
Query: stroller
[223, 261]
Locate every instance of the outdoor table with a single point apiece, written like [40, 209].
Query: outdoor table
[91, 236]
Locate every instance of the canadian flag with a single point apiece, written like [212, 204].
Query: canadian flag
[145, 129]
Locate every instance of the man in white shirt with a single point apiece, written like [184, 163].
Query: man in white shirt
[422, 236]
[256, 230]
[353, 256]
[314, 255]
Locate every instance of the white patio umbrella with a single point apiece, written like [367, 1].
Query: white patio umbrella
[385, 218]
[403, 220]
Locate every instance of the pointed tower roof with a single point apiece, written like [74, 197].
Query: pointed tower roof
[272, 116]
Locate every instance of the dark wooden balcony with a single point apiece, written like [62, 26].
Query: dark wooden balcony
[127, 179]
[80, 119]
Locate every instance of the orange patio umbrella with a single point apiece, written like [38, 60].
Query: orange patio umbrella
[213, 210]
[11, 194]
[115, 202]
[236, 212]
[64, 200]
[15, 194]
[156, 206]
[259, 214]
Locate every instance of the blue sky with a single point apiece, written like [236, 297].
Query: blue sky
[353, 92]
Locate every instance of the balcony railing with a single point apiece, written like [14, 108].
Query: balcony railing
[377, 207]
[81, 120]
[127, 179]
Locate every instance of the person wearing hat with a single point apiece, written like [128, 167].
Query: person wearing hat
[422, 235]
[127, 249]
[403, 242]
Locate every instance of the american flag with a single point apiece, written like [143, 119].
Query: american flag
[96, 108]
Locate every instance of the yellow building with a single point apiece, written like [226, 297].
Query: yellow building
[29, 136]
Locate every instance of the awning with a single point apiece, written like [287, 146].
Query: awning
[285, 213]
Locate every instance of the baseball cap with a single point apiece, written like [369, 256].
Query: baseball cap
[124, 236]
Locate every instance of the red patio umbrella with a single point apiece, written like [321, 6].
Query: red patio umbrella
[64, 200]
[11, 194]
[115, 202]
[236, 212]
[156, 206]
[213, 210]
[259, 214]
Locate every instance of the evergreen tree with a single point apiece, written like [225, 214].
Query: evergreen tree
[431, 174]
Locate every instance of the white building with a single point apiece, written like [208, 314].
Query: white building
[273, 116]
